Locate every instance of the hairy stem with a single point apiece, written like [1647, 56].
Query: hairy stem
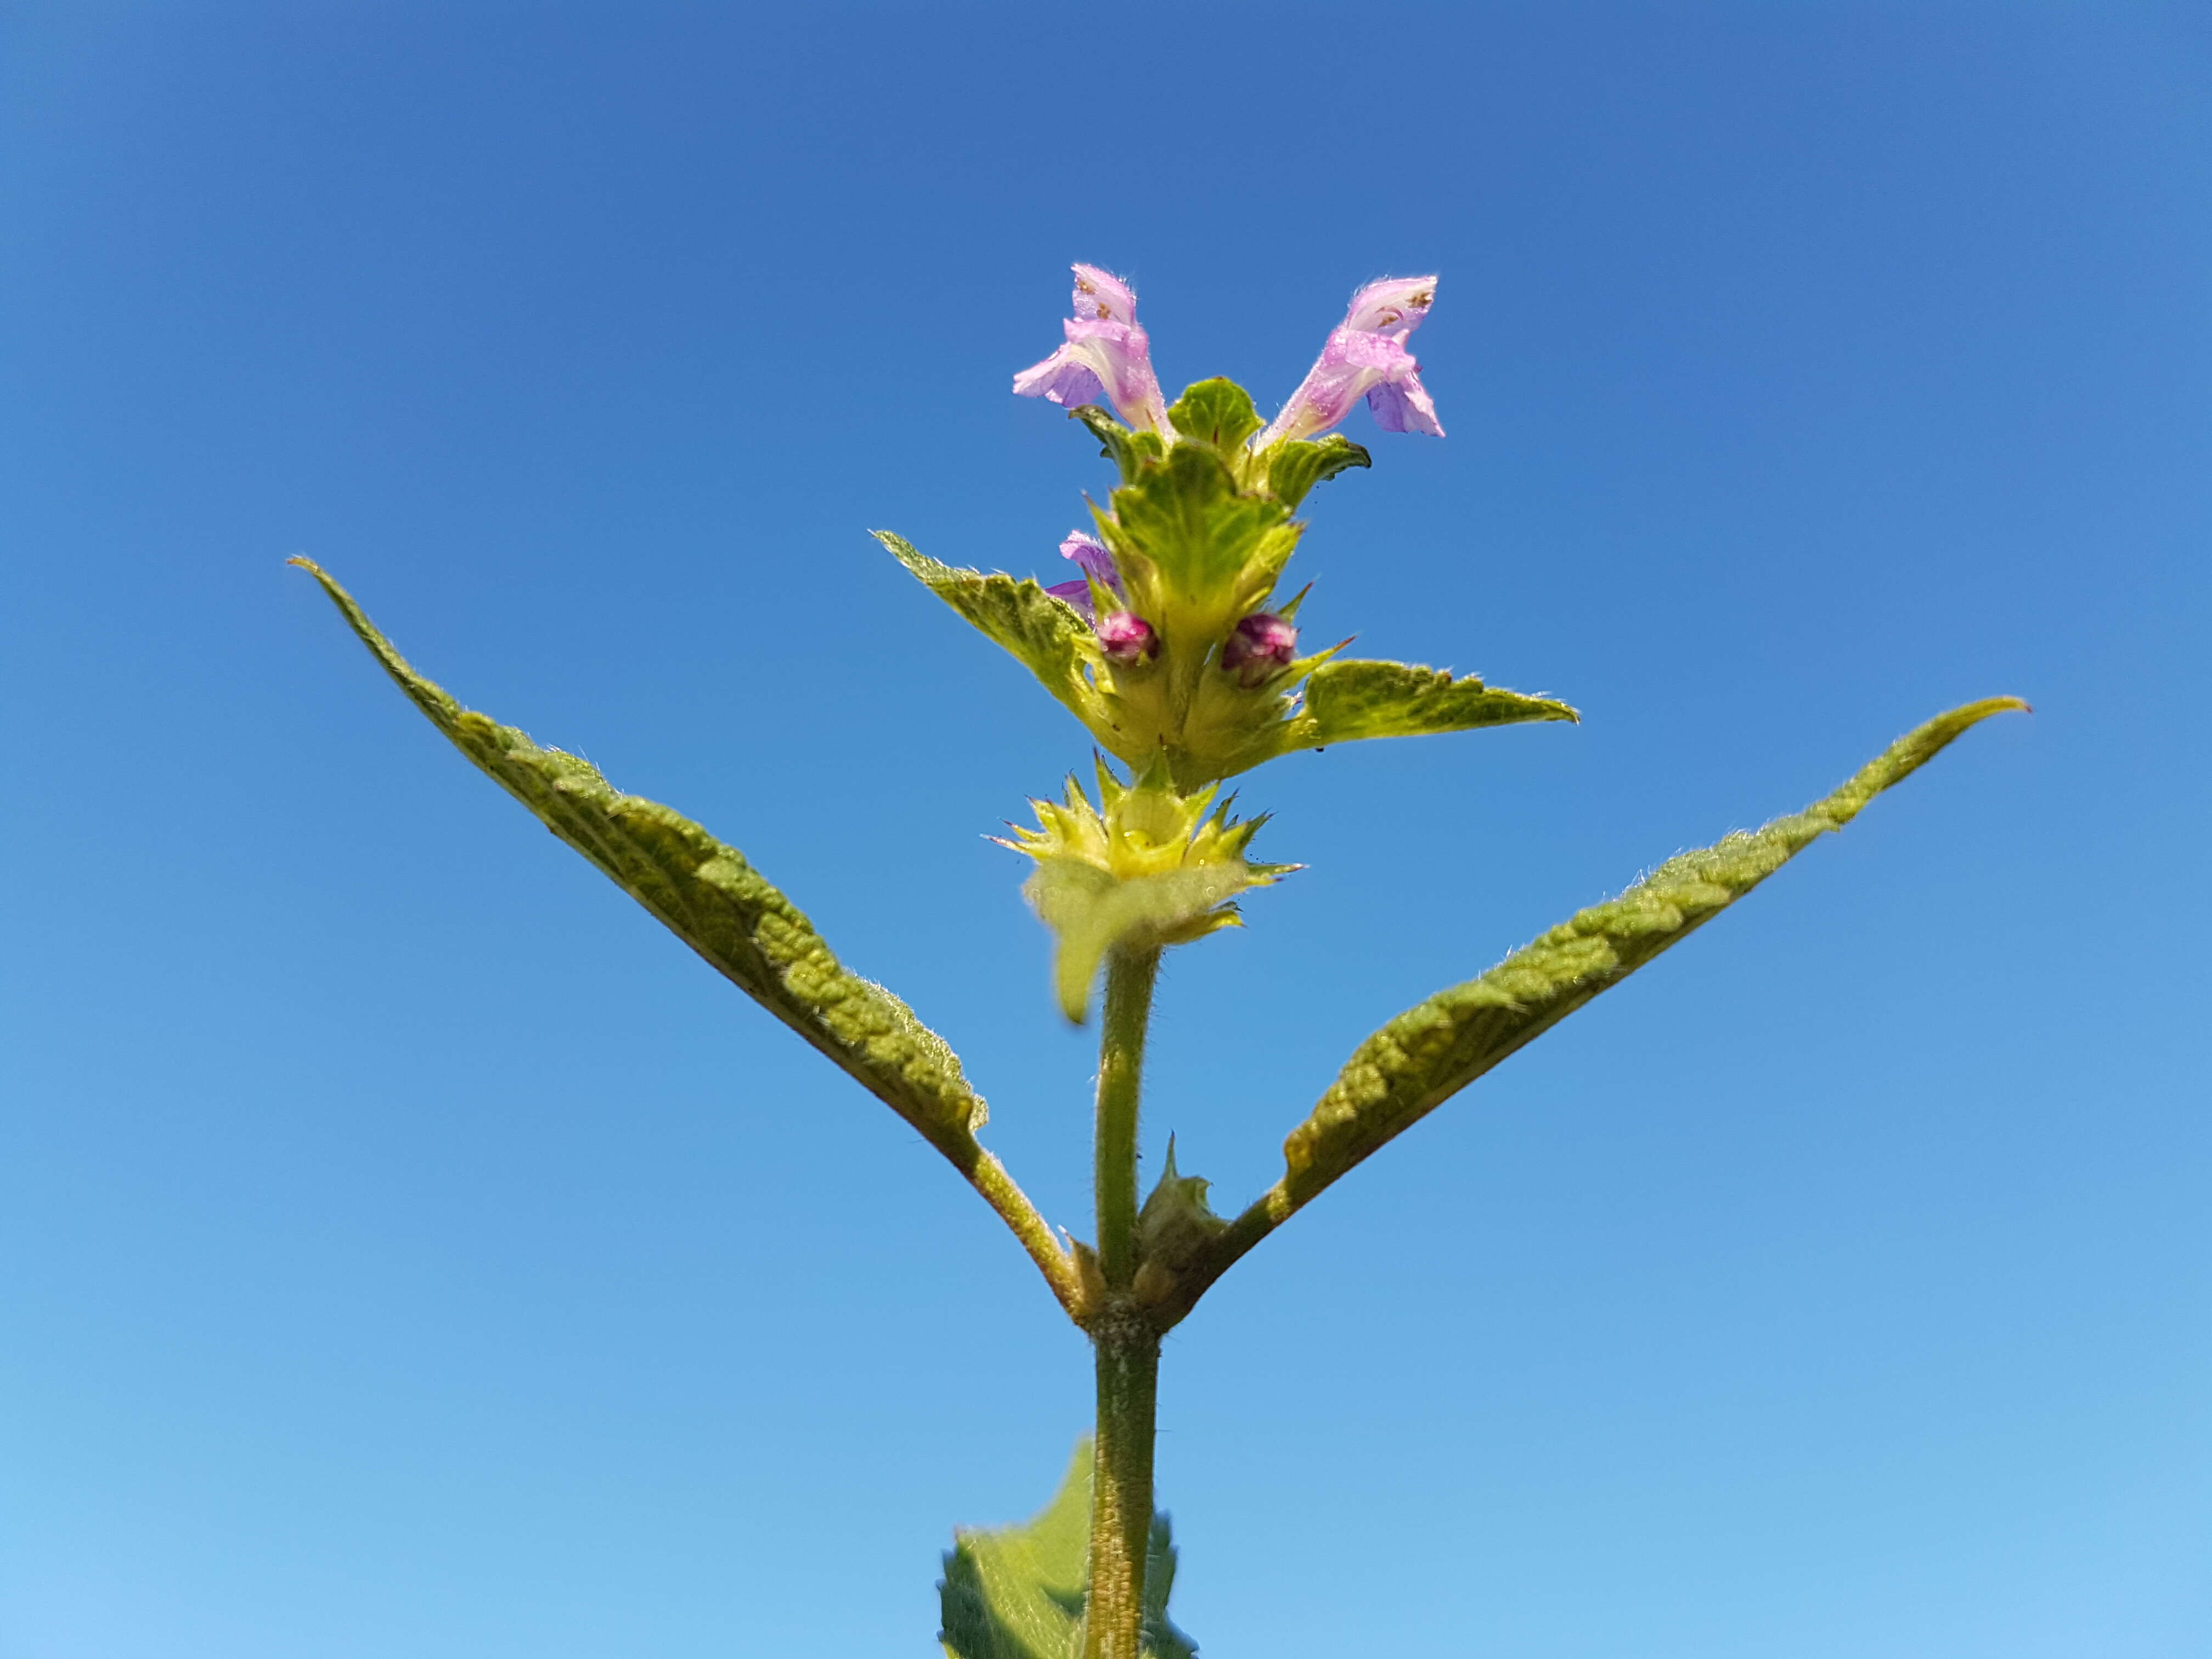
[1129, 978]
[1127, 1342]
[1128, 1357]
[988, 1177]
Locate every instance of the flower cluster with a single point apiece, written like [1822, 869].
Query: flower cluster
[1174, 643]
[1194, 656]
[1106, 355]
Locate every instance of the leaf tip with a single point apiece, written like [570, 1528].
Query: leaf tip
[900, 549]
[1968, 716]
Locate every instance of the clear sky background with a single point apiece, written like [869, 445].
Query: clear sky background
[412, 1250]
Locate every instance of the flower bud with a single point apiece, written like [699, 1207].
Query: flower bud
[1126, 637]
[1259, 648]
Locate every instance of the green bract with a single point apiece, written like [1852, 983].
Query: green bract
[1200, 531]
[1146, 868]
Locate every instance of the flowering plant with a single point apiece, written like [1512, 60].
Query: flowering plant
[1176, 650]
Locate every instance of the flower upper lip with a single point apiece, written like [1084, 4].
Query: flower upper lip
[1101, 297]
[1395, 305]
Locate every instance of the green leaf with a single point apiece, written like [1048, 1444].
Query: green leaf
[1294, 467]
[1127, 450]
[1045, 635]
[1217, 411]
[1185, 515]
[1430, 1053]
[706, 893]
[1018, 1592]
[1345, 700]
[1092, 911]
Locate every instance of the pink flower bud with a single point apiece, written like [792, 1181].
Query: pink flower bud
[1259, 648]
[1126, 637]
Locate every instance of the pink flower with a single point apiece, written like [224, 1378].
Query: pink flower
[1366, 357]
[1106, 355]
[1091, 553]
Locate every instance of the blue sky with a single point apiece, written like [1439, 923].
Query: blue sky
[412, 1251]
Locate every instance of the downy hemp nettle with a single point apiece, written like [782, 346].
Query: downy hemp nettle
[1178, 649]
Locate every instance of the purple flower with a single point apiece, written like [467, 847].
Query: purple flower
[1366, 357]
[1106, 355]
[1258, 647]
[1089, 553]
[1125, 637]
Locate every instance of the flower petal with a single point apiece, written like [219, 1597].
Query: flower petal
[1091, 554]
[1395, 305]
[1077, 594]
[1352, 364]
[1065, 377]
[1403, 405]
[1101, 297]
[1120, 355]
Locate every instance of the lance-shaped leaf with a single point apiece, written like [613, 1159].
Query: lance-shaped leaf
[1018, 1592]
[1043, 635]
[1431, 1051]
[1091, 911]
[1345, 700]
[711, 899]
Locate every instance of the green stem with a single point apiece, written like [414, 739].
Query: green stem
[1129, 977]
[1125, 1340]
[1128, 1353]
